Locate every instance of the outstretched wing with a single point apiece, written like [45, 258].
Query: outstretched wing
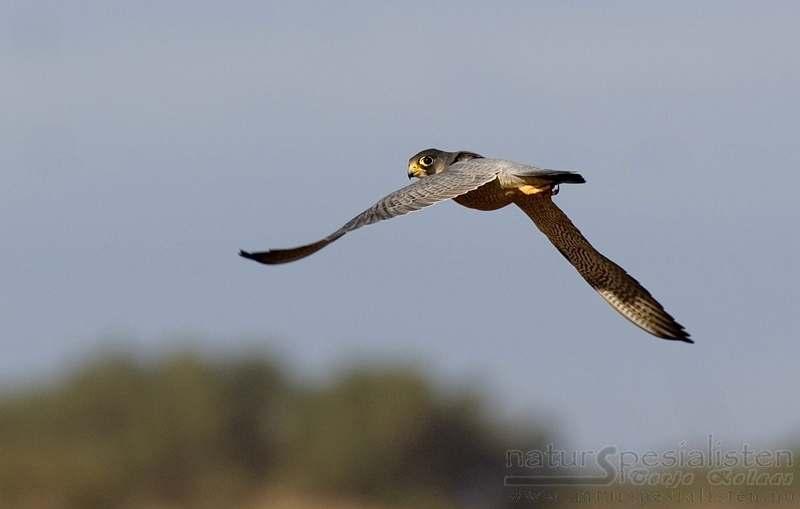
[458, 179]
[616, 286]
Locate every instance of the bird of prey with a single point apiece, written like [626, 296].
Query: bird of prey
[489, 184]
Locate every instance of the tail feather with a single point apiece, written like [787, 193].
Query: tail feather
[564, 177]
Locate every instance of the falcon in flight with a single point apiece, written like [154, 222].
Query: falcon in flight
[489, 184]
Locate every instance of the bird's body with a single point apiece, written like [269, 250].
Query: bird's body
[507, 187]
[489, 196]
[490, 184]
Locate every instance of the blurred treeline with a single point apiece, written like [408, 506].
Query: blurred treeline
[184, 431]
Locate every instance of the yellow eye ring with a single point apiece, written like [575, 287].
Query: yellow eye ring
[425, 161]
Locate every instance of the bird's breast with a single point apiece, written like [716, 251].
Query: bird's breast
[489, 196]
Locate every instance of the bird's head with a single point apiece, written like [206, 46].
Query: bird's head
[432, 161]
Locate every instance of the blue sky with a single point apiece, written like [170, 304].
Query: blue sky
[142, 145]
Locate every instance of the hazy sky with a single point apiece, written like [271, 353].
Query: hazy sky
[143, 143]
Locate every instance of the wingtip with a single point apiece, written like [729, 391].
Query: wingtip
[262, 257]
[683, 338]
[676, 333]
[681, 335]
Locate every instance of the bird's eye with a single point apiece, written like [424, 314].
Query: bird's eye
[426, 161]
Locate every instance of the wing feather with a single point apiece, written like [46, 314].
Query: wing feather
[458, 179]
[616, 286]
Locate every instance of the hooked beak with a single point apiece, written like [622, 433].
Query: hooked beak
[415, 171]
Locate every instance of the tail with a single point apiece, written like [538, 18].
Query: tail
[563, 177]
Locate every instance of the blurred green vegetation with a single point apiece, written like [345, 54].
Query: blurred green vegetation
[188, 432]
[185, 431]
